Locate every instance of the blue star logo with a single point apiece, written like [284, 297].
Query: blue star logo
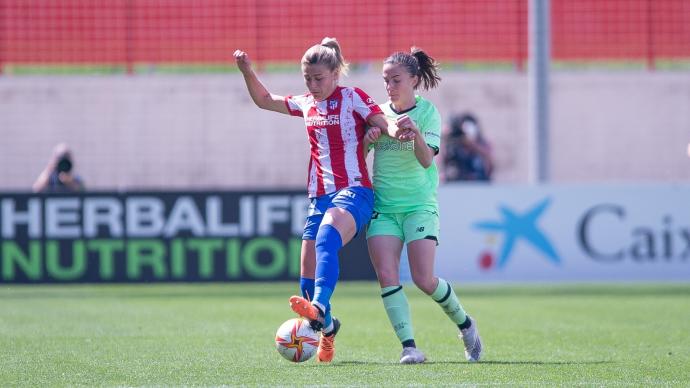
[521, 226]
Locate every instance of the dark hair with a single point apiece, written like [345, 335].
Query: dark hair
[418, 63]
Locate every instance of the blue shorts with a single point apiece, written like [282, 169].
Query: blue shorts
[359, 201]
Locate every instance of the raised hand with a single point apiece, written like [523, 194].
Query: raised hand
[242, 59]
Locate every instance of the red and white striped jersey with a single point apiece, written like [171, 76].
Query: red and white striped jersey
[335, 127]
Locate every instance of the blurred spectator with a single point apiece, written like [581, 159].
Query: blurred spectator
[467, 152]
[58, 176]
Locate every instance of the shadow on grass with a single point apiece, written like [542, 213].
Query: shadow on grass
[499, 362]
[488, 362]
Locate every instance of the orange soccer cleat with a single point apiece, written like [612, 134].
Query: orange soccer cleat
[303, 308]
[326, 349]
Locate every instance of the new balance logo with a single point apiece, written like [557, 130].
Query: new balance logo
[420, 229]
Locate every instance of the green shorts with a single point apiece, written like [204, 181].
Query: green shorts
[408, 227]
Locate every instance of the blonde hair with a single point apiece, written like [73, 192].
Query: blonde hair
[326, 53]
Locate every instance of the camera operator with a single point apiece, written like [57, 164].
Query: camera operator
[468, 153]
[58, 175]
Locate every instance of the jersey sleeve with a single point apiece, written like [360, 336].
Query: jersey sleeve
[294, 105]
[432, 129]
[365, 105]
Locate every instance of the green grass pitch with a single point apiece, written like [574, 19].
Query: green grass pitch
[222, 335]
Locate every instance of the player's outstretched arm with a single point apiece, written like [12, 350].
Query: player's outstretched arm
[261, 96]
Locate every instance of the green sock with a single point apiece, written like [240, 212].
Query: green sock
[398, 310]
[446, 298]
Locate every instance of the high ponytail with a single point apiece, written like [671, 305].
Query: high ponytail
[418, 63]
[327, 53]
[428, 68]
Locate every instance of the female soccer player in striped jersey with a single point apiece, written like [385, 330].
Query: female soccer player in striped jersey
[339, 188]
[406, 208]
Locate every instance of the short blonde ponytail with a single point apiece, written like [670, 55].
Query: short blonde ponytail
[326, 53]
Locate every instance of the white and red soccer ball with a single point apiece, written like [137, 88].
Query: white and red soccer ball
[296, 340]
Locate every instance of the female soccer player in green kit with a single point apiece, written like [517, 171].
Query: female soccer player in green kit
[405, 206]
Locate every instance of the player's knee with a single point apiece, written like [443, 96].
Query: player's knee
[387, 277]
[424, 283]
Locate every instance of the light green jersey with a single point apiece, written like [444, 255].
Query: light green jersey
[401, 184]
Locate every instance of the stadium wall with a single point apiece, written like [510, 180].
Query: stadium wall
[203, 131]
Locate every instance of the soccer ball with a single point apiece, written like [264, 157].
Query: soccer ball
[296, 340]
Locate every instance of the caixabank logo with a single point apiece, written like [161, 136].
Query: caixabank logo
[514, 227]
